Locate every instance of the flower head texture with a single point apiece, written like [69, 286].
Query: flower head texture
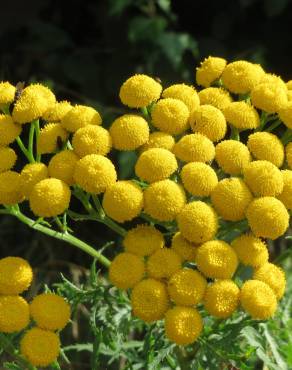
[194, 148]
[159, 140]
[9, 130]
[14, 314]
[286, 196]
[31, 174]
[187, 94]
[272, 275]
[163, 263]
[210, 70]
[251, 251]
[80, 116]
[10, 190]
[7, 158]
[242, 115]
[215, 96]
[7, 92]
[269, 97]
[285, 114]
[273, 79]
[288, 151]
[49, 138]
[232, 156]
[185, 249]
[62, 166]
[57, 111]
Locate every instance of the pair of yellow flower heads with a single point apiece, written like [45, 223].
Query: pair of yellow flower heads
[40, 345]
[180, 134]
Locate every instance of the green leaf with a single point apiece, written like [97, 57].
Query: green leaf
[274, 348]
[79, 347]
[146, 29]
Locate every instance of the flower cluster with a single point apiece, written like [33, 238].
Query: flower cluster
[40, 345]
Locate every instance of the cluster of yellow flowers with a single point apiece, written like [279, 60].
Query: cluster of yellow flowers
[40, 345]
[192, 176]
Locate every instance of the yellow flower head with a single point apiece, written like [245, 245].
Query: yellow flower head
[230, 199]
[187, 287]
[197, 222]
[57, 111]
[269, 97]
[163, 200]
[263, 178]
[222, 298]
[242, 115]
[155, 164]
[258, 299]
[126, 270]
[49, 198]
[80, 116]
[216, 259]
[163, 263]
[7, 158]
[210, 70]
[10, 191]
[232, 156]
[289, 85]
[34, 101]
[285, 114]
[194, 148]
[171, 115]
[14, 314]
[50, 311]
[62, 166]
[40, 347]
[159, 140]
[91, 139]
[289, 95]
[7, 92]
[273, 79]
[185, 249]
[267, 217]
[15, 275]
[123, 201]
[286, 196]
[209, 121]
[272, 275]
[139, 91]
[30, 175]
[240, 77]
[215, 96]
[94, 173]
[199, 179]
[149, 300]
[129, 131]
[266, 146]
[49, 137]
[251, 251]
[183, 325]
[288, 151]
[143, 240]
[8, 130]
[187, 94]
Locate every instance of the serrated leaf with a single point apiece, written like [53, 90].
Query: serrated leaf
[273, 345]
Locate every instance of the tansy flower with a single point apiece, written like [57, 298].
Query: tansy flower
[272, 275]
[273, 79]
[266, 146]
[126, 270]
[194, 148]
[91, 139]
[232, 156]
[215, 96]
[185, 249]
[50, 311]
[159, 140]
[163, 263]
[163, 200]
[62, 166]
[31, 174]
[251, 251]
[216, 259]
[197, 222]
[155, 164]
[49, 198]
[15, 275]
[80, 116]
[187, 94]
[199, 179]
[263, 178]
[123, 201]
[240, 77]
[171, 115]
[221, 298]
[230, 199]
[139, 91]
[285, 114]
[210, 70]
[186, 287]
[149, 300]
[288, 151]
[7, 158]
[241, 115]
[143, 240]
[286, 196]
[7, 93]
[14, 314]
[40, 347]
[49, 138]
[10, 191]
[8, 130]
[267, 217]
[258, 299]
[209, 121]
[57, 111]
[183, 325]
[94, 173]
[269, 97]
[129, 131]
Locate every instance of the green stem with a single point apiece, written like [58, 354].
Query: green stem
[263, 121]
[287, 137]
[273, 125]
[31, 140]
[234, 133]
[24, 150]
[145, 112]
[37, 134]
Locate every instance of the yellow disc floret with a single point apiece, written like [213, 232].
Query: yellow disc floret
[30, 175]
[57, 112]
[7, 158]
[49, 138]
[185, 249]
[50, 311]
[194, 148]
[7, 93]
[210, 70]
[285, 114]
[62, 166]
[251, 251]
[14, 314]
[269, 97]
[215, 96]
[159, 140]
[163, 263]
[232, 156]
[272, 275]
[242, 115]
[10, 190]
[274, 79]
[8, 130]
[187, 94]
[286, 196]
[80, 116]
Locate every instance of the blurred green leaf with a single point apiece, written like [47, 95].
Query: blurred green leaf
[146, 29]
